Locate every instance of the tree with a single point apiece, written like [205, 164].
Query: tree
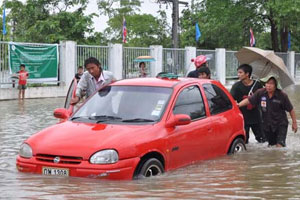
[226, 23]
[282, 17]
[223, 23]
[142, 29]
[48, 21]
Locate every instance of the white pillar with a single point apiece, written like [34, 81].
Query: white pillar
[115, 60]
[221, 65]
[156, 51]
[291, 63]
[190, 53]
[68, 53]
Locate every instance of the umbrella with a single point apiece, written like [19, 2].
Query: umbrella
[265, 63]
[144, 59]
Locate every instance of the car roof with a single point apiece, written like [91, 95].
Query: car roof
[160, 82]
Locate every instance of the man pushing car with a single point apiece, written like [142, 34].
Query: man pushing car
[92, 79]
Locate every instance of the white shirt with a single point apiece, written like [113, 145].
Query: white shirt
[89, 84]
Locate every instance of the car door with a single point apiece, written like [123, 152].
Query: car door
[220, 115]
[71, 94]
[192, 142]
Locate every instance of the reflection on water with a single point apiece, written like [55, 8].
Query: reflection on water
[259, 173]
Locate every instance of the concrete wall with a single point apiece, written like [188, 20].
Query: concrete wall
[34, 92]
[155, 67]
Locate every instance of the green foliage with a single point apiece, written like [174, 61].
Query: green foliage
[48, 21]
[143, 30]
[226, 23]
[223, 23]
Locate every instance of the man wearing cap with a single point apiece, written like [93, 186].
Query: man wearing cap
[92, 79]
[274, 103]
[200, 61]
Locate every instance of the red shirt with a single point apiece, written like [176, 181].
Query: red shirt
[23, 75]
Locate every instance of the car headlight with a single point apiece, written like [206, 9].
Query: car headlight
[25, 151]
[105, 157]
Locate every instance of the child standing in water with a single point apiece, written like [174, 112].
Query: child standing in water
[23, 75]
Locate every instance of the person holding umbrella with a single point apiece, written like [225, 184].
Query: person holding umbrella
[274, 103]
[143, 72]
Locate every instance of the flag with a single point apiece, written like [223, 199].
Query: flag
[198, 33]
[3, 21]
[124, 30]
[289, 40]
[252, 39]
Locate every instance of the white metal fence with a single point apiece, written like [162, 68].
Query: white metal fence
[86, 51]
[232, 64]
[4, 64]
[211, 61]
[173, 60]
[131, 68]
[297, 66]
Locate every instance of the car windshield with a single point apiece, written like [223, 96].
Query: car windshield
[125, 104]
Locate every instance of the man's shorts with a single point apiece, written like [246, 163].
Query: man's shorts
[22, 87]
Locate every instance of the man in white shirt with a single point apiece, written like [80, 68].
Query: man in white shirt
[92, 79]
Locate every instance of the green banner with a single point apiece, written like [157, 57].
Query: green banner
[41, 61]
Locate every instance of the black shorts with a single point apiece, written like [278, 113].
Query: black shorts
[278, 136]
[22, 87]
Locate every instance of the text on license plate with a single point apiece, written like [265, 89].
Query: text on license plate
[55, 171]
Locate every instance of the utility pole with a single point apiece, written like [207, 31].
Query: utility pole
[175, 19]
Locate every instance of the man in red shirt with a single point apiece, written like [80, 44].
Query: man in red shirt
[23, 75]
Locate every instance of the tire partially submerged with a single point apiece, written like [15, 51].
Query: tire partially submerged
[151, 167]
[237, 146]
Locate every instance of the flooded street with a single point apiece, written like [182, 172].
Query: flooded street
[259, 173]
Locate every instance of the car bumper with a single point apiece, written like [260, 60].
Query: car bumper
[122, 170]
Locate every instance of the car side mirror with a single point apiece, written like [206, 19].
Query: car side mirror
[178, 120]
[61, 113]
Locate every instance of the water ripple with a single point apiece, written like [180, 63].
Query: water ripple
[259, 173]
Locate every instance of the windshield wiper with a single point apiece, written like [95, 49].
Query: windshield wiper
[73, 118]
[102, 118]
[138, 120]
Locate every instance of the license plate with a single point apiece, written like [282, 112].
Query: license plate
[55, 171]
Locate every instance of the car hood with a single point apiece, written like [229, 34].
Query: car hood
[84, 139]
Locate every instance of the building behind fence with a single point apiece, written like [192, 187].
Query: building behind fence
[120, 60]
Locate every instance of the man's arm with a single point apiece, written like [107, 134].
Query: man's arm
[244, 102]
[81, 86]
[294, 121]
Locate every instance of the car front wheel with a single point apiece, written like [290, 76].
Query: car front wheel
[151, 167]
[237, 146]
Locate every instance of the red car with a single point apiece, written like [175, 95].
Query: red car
[138, 128]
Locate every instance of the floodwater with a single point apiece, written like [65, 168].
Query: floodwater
[259, 173]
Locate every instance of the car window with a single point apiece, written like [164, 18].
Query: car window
[217, 100]
[126, 103]
[190, 102]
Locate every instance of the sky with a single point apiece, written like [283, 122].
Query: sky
[147, 7]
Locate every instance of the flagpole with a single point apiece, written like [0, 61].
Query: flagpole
[3, 21]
